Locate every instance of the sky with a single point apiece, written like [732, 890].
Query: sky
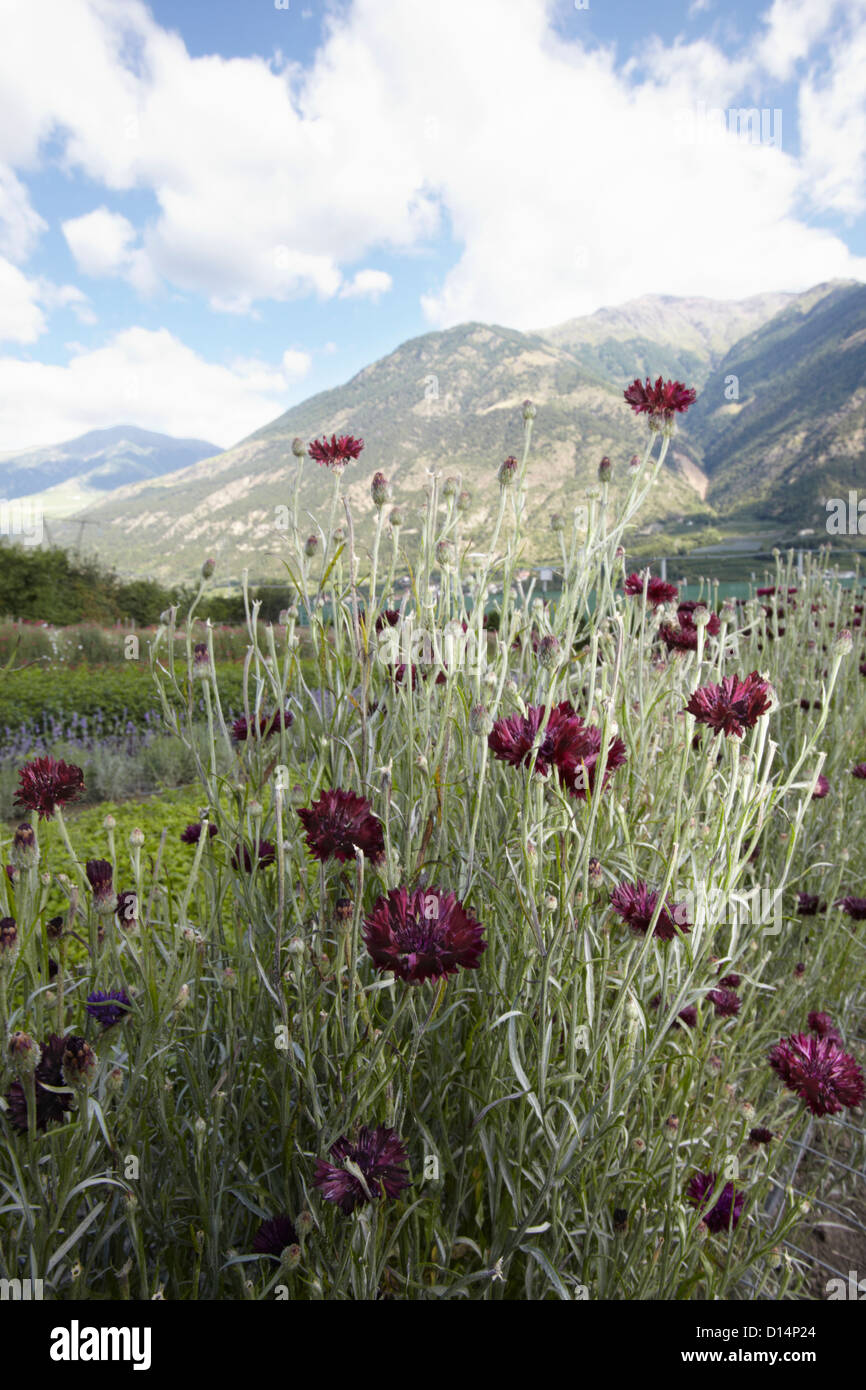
[213, 209]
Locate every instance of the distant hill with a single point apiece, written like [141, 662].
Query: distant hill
[680, 338]
[451, 401]
[72, 474]
[796, 434]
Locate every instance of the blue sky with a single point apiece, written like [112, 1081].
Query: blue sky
[209, 211]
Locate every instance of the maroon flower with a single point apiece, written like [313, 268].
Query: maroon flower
[725, 1002]
[729, 982]
[822, 786]
[424, 935]
[266, 726]
[568, 744]
[46, 783]
[341, 823]
[661, 400]
[400, 675]
[859, 771]
[274, 1236]
[809, 904]
[51, 1106]
[380, 1157]
[855, 907]
[635, 903]
[192, 834]
[126, 909]
[265, 854]
[822, 1026]
[724, 1214]
[657, 590]
[99, 876]
[334, 452]
[760, 1136]
[389, 617]
[689, 1015]
[682, 635]
[819, 1072]
[733, 706]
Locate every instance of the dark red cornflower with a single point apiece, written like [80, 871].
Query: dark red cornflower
[400, 675]
[822, 786]
[682, 635]
[265, 855]
[725, 1002]
[822, 1026]
[657, 590]
[689, 1016]
[729, 982]
[859, 771]
[126, 908]
[274, 1235]
[51, 1106]
[635, 903]
[733, 706]
[662, 400]
[724, 1214]
[819, 1072]
[809, 904]
[568, 745]
[266, 725]
[389, 617]
[423, 935]
[341, 823]
[192, 834]
[760, 1136]
[46, 783]
[855, 907]
[99, 876]
[380, 1157]
[334, 452]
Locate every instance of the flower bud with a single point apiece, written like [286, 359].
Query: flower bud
[596, 876]
[208, 567]
[344, 909]
[464, 500]
[79, 1063]
[529, 411]
[396, 518]
[136, 837]
[24, 853]
[305, 1223]
[24, 1054]
[557, 523]
[310, 546]
[299, 448]
[8, 942]
[604, 469]
[634, 461]
[201, 666]
[508, 471]
[450, 487]
[380, 490]
[548, 651]
[444, 554]
[843, 644]
[480, 721]
[109, 823]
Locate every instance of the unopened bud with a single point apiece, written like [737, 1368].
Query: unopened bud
[208, 567]
[508, 471]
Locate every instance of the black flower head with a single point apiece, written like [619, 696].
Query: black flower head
[274, 1235]
[51, 1105]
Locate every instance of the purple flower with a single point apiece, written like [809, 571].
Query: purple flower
[192, 834]
[635, 903]
[733, 706]
[425, 935]
[819, 1072]
[722, 1215]
[380, 1158]
[274, 1235]
[46, 783]
[108, 1008]
[341, 823]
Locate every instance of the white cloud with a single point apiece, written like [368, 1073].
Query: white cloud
[563, 177]
[141, 377]
[296, 364]
[21, 319]
[367, 284]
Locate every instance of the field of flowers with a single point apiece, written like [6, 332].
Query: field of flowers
[497, 960]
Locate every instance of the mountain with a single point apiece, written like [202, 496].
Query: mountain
[448, 400]
[67, 476]
[452, 401]
[795, 432]
[681, 338]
